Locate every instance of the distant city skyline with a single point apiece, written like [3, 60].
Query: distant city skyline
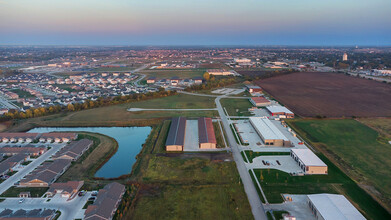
[201, 22]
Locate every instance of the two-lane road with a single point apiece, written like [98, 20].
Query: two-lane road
[252, 194]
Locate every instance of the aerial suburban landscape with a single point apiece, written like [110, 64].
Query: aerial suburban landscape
[195, 110]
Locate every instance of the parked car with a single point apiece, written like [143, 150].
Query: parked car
[21, 200]
[94, 193]
[82, 193]
[92, 198]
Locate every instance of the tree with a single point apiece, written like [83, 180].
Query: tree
[206, 76]
[71, 107]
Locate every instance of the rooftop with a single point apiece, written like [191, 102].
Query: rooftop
[176, 135]
[267, 129]
[335, 207]
[276, 109]
[308, 157]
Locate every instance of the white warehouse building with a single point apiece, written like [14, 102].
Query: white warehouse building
[333, 207]
[308, 161]
[268, 132]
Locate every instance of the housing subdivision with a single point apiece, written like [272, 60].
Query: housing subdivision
[32, 162]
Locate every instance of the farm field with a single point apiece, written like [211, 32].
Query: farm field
[166, 74]
[330, 95]
[177, 101]
[356, 147]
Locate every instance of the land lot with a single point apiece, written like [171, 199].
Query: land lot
[35, 191]
[177, 101]
[237, 107]
[357, 148]
[167, 74]
[277, 182]
[330, 94]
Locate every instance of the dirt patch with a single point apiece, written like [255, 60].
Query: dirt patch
[330, 95]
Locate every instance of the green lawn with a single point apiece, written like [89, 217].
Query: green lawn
[35, 191]
[357, 146]
[276, 182]
[177, 101]
[237, 107]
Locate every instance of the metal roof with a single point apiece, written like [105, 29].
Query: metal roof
[206, 132]
[308, 158]
[276, 109]
[335, 207]
[176, 134]
[267, 129]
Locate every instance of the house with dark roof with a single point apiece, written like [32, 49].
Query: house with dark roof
[73, 150]
[57, 137]
[21, 214]
[46, 174]
[66, 190]
[106, 202]
[8, 164]
[176, 134]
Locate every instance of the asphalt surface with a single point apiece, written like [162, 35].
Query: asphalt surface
[252, 195]
[173, 109]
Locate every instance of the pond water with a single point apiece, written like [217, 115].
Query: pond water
[130, 140]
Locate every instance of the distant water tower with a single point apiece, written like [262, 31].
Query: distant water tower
[345, 57]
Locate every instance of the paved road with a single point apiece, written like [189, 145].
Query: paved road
[20, 174]
[173, 109]
[69, 209]
[252, 195]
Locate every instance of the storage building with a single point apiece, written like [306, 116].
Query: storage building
[268, 132]
[176, 134]
[280, 111]
[333, 207]
[259, 101]
[206, 134]
[308, 161]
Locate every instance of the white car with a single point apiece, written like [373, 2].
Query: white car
[21, 200]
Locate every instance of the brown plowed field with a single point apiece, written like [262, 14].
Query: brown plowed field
[330, 94]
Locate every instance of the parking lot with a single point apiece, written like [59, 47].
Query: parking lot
[228, 91]
[284, 163]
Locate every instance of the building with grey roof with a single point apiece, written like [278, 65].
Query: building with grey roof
[176, 134]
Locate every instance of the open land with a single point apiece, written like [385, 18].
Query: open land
[237, 107]
[355, 147]
[330, 94]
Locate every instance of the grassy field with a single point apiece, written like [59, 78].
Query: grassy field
[357, 147]
[178, 101]
[113, 69]
[35, 191]
[237, 107]
[381, 125]
[117, 115]
[276, 182]
[166, 74]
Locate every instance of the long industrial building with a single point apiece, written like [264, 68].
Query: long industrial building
[308, 161]
[268, 132]
[333, 207]
[280, 111]
[206, 134]
[176, 135]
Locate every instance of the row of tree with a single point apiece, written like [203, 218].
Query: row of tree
[88, 104]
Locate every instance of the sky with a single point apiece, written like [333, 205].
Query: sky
[195, 22]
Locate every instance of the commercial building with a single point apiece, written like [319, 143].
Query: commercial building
[206, 134]
[333, 207]
[280, 111]
[73, 150]
[176, 134]
[260, 101]
[308, 161]
[151, 80]
[46, 174]
[66, 190]
[21, 214]
[268, 132]
[220, 72]
[106, 202]
[253, 89]
[345, 57]
[57, 137]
